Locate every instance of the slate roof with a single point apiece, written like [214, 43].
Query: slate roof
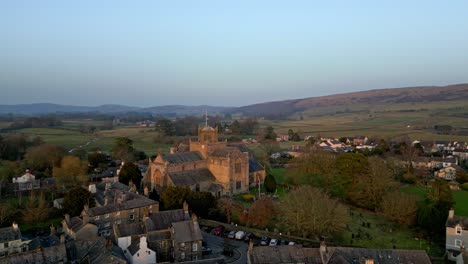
[9, 234]
[131, 201]
[191, 177]
[93, 252]
[186, 231]
[159, 235]
[336, 255]
[240, 146]
[223, 152]
[164, 219]
[75, 223]
[345, 255]
[182, 157]
[131, 229]
[285, 254]
[457, 220]
[254, 165]
[134, 246]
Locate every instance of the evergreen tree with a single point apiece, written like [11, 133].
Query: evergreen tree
[270, 183]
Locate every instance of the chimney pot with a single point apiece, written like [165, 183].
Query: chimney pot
[451, 213]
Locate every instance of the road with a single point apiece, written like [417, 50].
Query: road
[217, 244]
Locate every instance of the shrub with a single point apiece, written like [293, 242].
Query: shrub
[248, 197]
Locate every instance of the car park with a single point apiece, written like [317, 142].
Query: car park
[217, 231]
[273, 242]
[264, 241]
[232, 234]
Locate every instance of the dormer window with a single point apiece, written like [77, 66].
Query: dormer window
[458, 230]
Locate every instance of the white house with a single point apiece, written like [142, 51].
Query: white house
[138, 252]
[27, 177]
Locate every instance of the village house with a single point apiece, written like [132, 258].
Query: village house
[333, 255]
[206, 164]
[26, 182]
[456, 235]
[173, 235]
[282, 137]
[11, 241]
[116, 203]
[77, 228]
[139, 253]
[359, 140]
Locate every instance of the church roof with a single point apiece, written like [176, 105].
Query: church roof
[241, 146]
[223, 152]
[191, 177]
[182, 157]
[254, 165]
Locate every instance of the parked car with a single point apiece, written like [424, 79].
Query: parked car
[217, 231]
[226, 233]
[264, 241]
[240, 235]
[206, 250]
[232, 234]
[291, 243]
[249, 236]
[282, 242]
[273, 242]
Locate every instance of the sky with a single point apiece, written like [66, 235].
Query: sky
[224, 53]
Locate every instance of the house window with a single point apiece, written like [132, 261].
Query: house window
[458, 242]
[96, 217]
[138, 254]
[107, 216]
[132, 217]
[182, 255]
[238, 185]
[458, 230]
[194, 247]
[5, 245]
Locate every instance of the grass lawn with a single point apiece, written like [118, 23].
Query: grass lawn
[382, 233]
[460, 197]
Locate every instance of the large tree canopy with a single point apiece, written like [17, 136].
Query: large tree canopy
[75, 199]
[130, 172]
[311, 213]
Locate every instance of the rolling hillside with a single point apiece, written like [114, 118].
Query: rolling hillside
[425, 94]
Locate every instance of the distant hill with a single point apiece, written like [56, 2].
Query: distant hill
[169, 110]
[373, 97]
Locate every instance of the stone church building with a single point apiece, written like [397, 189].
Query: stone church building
[207, 165]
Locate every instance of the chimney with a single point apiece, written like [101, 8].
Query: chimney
[323, 247]
[106, 200]
[172, 150]
[62, 238]
[194, 219]
[451, 213]
[67, 218]
[146, 191]
[15, 226]
[186, 211]
[52, 230]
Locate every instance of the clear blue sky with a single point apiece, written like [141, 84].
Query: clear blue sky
[232, 53]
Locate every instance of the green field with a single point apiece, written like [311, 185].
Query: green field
[460, 198]
[413, 120]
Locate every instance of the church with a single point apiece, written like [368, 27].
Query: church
[206, 164]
